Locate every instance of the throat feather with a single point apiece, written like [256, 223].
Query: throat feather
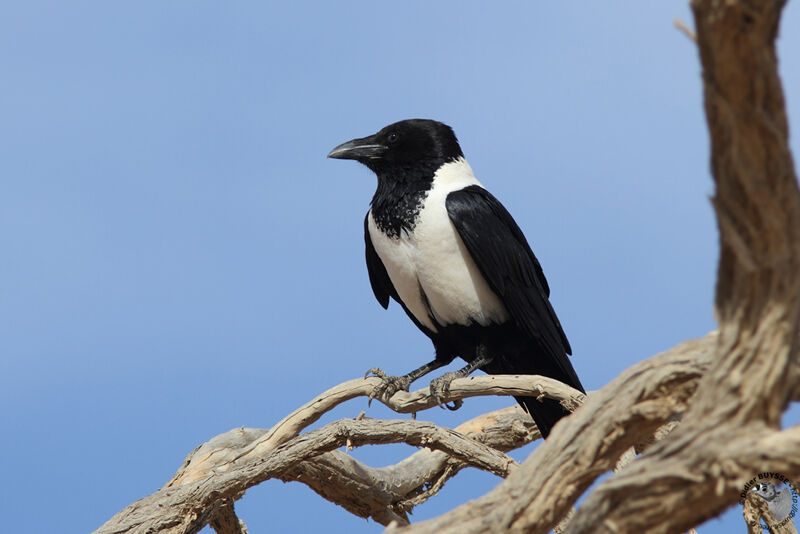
[395, 214]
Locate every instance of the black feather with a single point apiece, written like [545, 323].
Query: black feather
[524, 335]
[378, 277]
[508, 264]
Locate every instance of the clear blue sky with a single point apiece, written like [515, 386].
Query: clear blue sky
[179, 258]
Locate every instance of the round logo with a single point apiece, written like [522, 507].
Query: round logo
[779, 493]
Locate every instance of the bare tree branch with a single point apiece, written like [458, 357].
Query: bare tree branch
[188, 508]
[625, 413]
[226, 466]
[726, 435]
[197, 465]
[386, 494]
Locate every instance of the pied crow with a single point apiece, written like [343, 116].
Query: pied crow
[450, 254]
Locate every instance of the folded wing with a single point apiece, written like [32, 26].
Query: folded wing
[508, 264]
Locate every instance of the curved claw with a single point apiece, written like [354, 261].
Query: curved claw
[458, 403]
[375, 371]
[389, 384]
[440, 388]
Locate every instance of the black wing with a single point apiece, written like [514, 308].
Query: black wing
[378, 277]
[506, 261]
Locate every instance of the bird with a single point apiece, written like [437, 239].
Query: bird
[779, 502]
[447, 251]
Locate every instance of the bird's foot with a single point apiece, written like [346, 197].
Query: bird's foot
[440, 389]
[389, 385]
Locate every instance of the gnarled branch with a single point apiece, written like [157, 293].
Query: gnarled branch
[222, 469]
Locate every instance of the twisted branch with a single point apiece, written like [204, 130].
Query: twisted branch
[220, 470]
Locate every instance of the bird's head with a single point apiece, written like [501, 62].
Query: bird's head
[403, 147]
[765, 490]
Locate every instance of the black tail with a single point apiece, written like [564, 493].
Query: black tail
[531, 360]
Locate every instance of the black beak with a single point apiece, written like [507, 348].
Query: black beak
[365, 148]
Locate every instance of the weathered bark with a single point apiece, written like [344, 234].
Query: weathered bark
[219, 471]
[730, 431]
[384, 494]
[645, 397]
[188, 507]
[204, 460]
[624, 414]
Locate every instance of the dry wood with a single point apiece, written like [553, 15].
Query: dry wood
[416, 401]
[730, 431]
[203, 460]
[223, 468]
[188, 507]
[624, 414]
[386, 494]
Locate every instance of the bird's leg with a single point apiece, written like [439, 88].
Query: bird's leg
[392, 384]
[440, 387]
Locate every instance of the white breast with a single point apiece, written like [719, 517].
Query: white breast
[431, 269]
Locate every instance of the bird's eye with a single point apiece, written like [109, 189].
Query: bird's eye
[392, 137]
